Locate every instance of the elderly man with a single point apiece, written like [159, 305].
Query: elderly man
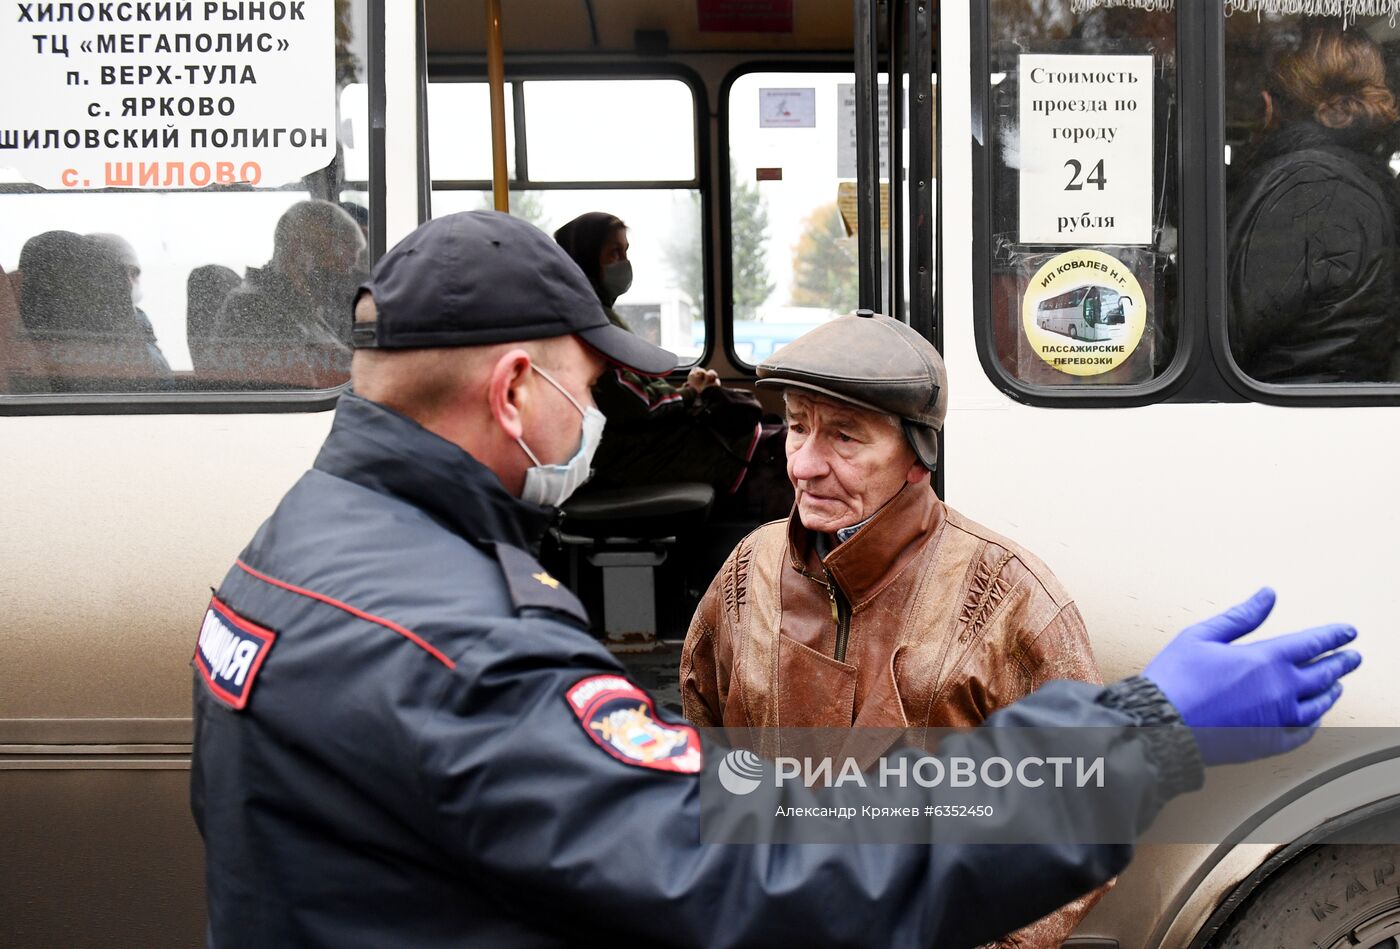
[875, 604]
[405, 736]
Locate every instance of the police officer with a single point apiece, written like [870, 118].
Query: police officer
[404, 734]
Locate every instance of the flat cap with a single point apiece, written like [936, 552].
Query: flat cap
[873, 362]
[480, 277]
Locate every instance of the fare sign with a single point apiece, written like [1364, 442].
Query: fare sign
[1085, 149]
[136, 94]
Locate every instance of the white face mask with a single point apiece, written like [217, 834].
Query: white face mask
[551, 485]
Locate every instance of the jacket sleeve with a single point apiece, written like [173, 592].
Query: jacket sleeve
[627, 397]
[540, 816]
[702, 683]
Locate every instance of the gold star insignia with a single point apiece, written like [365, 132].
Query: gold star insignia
[546, 579]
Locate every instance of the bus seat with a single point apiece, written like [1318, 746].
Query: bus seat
[626, 533]
[20, 367]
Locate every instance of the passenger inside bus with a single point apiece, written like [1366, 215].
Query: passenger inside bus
[20, 369]
[1312, 222]
[938, 621]
[121, 248]
[206, 289]
[294, 311]
[76, 307]
[658, 433]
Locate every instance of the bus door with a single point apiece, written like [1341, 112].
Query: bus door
[896, 167]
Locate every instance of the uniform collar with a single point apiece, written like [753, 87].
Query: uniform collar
[862, 565]
[377, 448]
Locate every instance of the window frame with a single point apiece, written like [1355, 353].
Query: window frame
[252, 401]
[1217, 290]
[447, 68]
[726, 259]
[1203, 368]
[1189, 163]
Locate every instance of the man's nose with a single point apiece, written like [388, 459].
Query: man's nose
[808, 462]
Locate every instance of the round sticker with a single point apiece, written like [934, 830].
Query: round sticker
[1084, 312]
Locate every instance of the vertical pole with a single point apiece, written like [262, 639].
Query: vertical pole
[517, 101]
[496, 76]
[425, 171]
[921, 151]
[898, 66]
[867, 154]
[378, 95]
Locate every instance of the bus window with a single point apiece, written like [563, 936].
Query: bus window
[1082, 198]
[624, 146]
[1312, 147]
[792, 205]
[459, 140]
[610, 130]
[197, 249]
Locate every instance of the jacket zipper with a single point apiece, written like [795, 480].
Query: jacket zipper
[841, 615]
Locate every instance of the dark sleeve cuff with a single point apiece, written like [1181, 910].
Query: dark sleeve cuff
[1170, 745]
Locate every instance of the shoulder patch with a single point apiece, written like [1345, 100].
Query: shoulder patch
[229, 653]
[532, 588]
[621, 719]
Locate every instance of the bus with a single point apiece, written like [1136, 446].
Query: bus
[1089, 313]
[777, 164]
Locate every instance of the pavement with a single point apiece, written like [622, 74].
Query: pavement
[657, 671]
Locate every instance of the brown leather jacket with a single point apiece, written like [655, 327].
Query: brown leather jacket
[923, 619]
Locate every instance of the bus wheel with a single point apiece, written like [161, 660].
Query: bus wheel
[1074, 332]
[1336, 895]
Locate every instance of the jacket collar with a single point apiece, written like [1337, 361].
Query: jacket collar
[875, 555]
[377, 448]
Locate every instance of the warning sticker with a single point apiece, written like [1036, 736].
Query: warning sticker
[167, 95]
[1084, 312]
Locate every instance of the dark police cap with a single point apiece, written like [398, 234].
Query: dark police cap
[481, 277]
[873, 362]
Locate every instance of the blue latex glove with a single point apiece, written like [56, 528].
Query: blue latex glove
[1273, 691]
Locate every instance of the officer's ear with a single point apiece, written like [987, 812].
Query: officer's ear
[506, 392]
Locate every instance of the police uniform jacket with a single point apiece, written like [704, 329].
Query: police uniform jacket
[404, 735]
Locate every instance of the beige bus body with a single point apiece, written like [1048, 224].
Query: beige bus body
[116, 526]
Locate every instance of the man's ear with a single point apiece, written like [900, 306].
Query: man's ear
[506, 392]
[917, 473]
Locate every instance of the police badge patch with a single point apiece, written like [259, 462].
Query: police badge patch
[229, 653]
[621, 719]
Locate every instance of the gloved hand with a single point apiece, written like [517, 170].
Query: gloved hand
[1275, 691]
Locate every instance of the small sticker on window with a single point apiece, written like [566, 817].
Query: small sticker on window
[787, 108]
[1084, 312]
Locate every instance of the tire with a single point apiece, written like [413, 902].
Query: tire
[1074, 332]
[1332, 896]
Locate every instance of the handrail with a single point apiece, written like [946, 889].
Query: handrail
[496, 79]
[867, 68]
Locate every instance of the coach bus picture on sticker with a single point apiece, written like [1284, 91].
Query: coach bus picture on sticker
[1084, 312]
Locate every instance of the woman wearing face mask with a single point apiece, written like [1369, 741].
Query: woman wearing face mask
[657, 433]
